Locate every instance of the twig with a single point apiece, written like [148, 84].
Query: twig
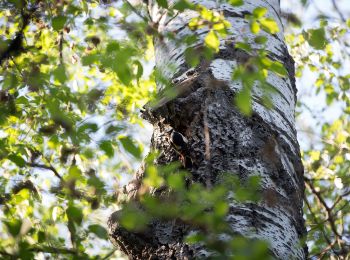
[54, 250]
[60, 47]
[340, 198]
[328, 241]
[320, 255]
[338, 11]
[135, 10]
[325, 206]
[46, 167]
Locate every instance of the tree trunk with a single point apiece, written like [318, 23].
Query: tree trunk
[223, 141]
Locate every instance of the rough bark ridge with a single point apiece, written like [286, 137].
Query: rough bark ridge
[223, 141]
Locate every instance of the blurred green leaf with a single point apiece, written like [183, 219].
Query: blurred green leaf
[99, 231]
[316, 38]
[130, 146]
[17, 159]
[236, 2]
[107, 147]
[58, 22]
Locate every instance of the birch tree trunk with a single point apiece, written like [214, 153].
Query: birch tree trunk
[223, 141]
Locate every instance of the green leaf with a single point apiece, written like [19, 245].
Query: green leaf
[74, 173]
[162, 3]
[75, 214]
[243, 101]
[139, 70]
[244, 46]
[133, 219]
[182, 5]
[60, 74]
[236, 2]
[316, 38]
[129, 146]
[269, 25]
[259, 12]
[99, 231]
[192, 57]
[113, 129]
[255, 27]
[278, 68]
[58, 22]
[212, 41]
[112, 46]
[260, 39]
[176, 181]
[107, 147]
[17, 159]
[13, 226]
[88, 127]
[89, 59]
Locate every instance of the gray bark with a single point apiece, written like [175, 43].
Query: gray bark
[223, 141]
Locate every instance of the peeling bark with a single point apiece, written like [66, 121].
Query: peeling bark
[223, 141]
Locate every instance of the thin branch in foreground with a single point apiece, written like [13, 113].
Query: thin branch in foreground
[328, 241]
[46, 167]
[54, 250]
[325, 206]
[135, 11]
[338, 11]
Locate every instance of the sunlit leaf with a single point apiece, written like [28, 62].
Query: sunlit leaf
[259, 12]
[316, 38]
[130, 146]
[212, 41]
[236, 2]
[58, 22]
[269, 25]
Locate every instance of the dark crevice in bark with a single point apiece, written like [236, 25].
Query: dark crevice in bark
[257, 219]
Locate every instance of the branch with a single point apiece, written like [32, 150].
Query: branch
[135, 11]
[44, 249]
[338, 11]
[330, 244]
[324, 251]
[53, 250]
[60, 47]
[46, 167]
[325, 206]
[340, 198]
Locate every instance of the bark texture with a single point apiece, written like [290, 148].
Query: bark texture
[223, 141]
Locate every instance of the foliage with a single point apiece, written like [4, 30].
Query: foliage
[322, 54]
[74, 76]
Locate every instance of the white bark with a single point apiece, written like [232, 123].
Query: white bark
[264, 145]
